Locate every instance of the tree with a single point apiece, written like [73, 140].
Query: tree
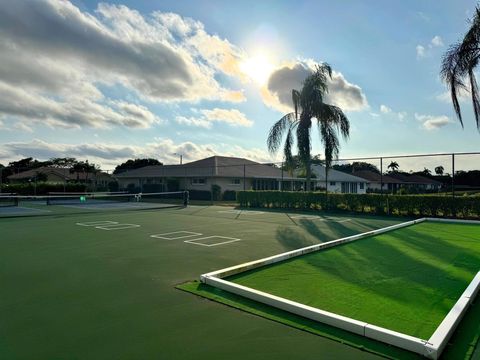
[458, 65]
[393, 166]
[309, 106]
[83, 167]
[135, 164]
[439, 170]
[63, 162]
[356, 166]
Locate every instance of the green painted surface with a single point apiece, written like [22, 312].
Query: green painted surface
[73, 292]
[406, 280]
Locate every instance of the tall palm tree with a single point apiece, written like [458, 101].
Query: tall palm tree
[393, 166]
[310, 107]
[458, 65]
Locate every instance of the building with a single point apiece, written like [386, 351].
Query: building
[337, 181]
[375, 180]
[230, 173]
[416, 182]
[60, 175]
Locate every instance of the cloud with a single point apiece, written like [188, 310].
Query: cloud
[431, 122]
[232, 117]
[277, 94]
[385, 109]
[436, 41]
[110, 155]
[56, 58]
[423, 51]
[420, 51]
[192, 121]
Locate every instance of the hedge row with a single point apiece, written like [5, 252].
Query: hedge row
[411, 205]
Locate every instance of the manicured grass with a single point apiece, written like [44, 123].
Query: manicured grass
[405, 280]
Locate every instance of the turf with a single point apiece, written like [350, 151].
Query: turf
[464, 343]
[405, 280]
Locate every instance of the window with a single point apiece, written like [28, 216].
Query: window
[333, 183]
[353, 188]
[199, 181]
[361, 186]
[235, 182]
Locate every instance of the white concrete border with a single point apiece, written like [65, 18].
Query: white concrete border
[431, 348]
[196, 241]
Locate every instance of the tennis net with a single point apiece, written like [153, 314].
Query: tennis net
[93, 201]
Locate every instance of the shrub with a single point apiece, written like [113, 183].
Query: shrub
[216, 192]
[409, 205]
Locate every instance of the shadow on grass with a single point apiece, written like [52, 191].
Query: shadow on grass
[461, 346]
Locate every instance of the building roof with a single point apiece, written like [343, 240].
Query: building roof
[334, 175]
[371, 176]
[60, 172]
[414, 179]
[214, 166]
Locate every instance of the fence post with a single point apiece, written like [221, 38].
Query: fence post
[281, 183]
[244, 178]
[453, 175]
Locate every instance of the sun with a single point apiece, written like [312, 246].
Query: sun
[258, 68]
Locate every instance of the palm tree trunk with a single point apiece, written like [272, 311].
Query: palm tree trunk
[308, 186]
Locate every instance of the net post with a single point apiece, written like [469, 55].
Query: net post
[186, 198]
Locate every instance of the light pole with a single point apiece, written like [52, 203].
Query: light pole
[181, 157]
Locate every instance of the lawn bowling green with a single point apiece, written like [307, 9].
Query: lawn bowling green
[71, 288]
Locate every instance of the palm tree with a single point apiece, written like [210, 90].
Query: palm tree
[393, 166]
[309, 107]
[439, 170]
[458, 65]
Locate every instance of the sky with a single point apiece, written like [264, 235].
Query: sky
[110, 81]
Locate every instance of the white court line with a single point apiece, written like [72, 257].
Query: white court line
[243, 212]
[97, 223]
[194, 241]
[117, 226]
[163, 236]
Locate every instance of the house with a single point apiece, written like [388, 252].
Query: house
[230, 173]
[415, 181]
[60, 175]
[337, 181]
[375, 180]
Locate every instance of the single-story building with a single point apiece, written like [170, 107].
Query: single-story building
[230, 173]
[60, 175]
[375, 180]
[337, 181]
[416, 181]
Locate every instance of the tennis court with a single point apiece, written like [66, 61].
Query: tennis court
[90, 283]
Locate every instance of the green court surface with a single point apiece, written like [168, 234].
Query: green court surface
[97, 285]
[405, 280]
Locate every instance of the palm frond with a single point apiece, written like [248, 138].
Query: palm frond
[475, 97]
[277, 132]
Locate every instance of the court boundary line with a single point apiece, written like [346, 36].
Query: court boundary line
[194, 241]
[431, 348]
[117, 226]
[96, 223]
[160, 236]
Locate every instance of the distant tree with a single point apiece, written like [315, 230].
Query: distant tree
[83, 167]
[66, 162]
[135, 164]
[393, 166]
[426, 171]
[439, 170]
[356, 166]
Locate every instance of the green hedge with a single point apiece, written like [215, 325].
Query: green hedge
[410, 205]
